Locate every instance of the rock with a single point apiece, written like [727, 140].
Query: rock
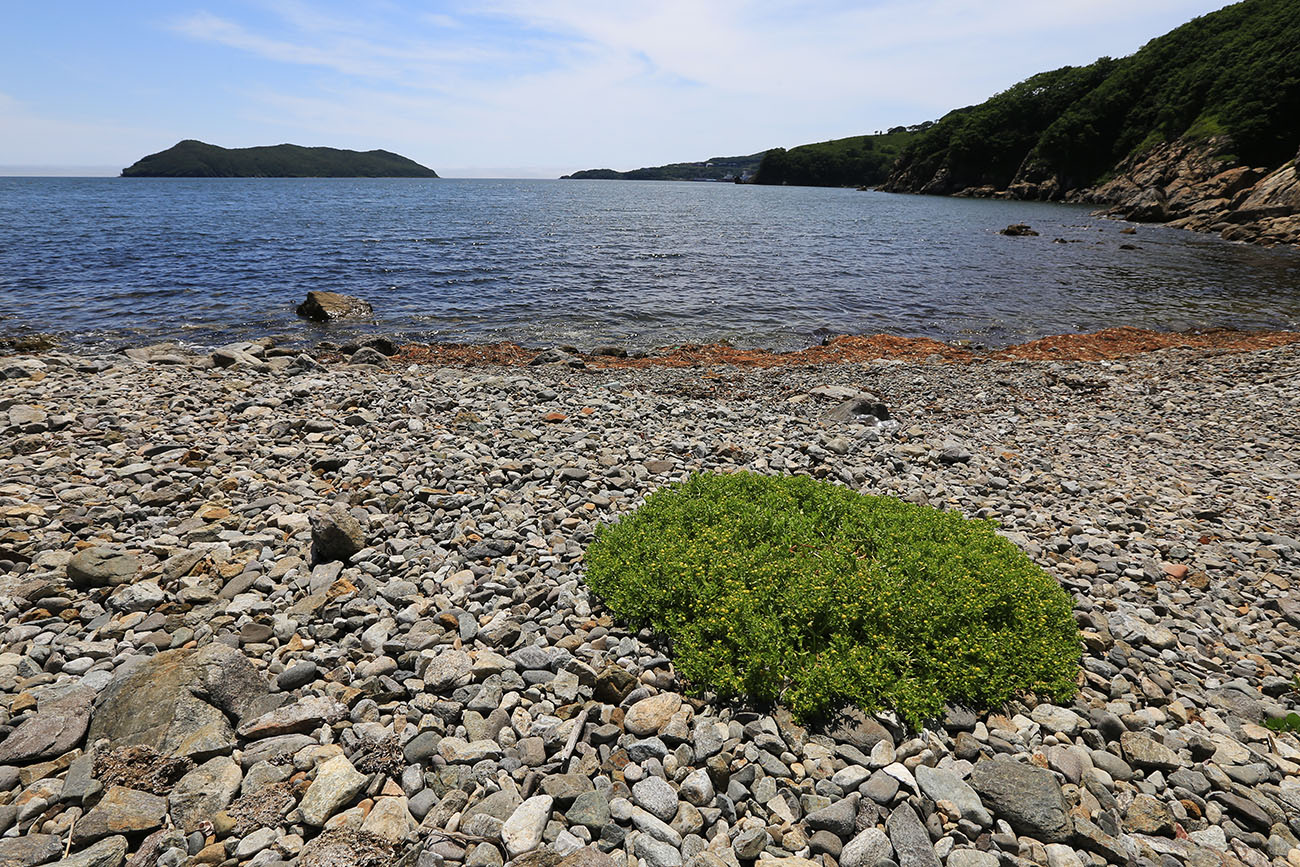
[337, 784]
[335, 535]
[971, 858]
[29, 850]
[59, 725]
[869, 848]
[1057, 720]
[856, 728]
[943, 785]
[1028, 798]
[456, 750]
[203, 792]
[909, 838]
[366, 355]
[449, 669]
[565, 788]
[587, 857]
[110, 852]
[697, 788]
[120, 811]
[655, 853]
[863, 408]
[649, 715]
[390, 820]
[1143, 752]
[748, 844]
[1147, 815]
[297, 675]
[300, 717]
[657, 797]
[522, 832]
[178, 701]
[591, 810]
[102, 567]
[1018, 230]
[329, 306]
[839, 818]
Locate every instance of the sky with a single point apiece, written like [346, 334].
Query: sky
[521, 88]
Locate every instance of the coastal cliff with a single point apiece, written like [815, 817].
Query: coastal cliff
[1198, 128]
[1197, 186]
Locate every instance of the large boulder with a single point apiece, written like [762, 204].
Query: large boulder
[326, 306]
[179, 702]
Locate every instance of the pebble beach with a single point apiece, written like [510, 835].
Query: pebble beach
[267, 608]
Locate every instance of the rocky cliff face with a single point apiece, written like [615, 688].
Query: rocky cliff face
[1199, 187]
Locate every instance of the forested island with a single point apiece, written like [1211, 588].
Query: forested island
[196, 159]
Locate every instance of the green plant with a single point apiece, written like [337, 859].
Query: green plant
[1288, 723]
[788, 589]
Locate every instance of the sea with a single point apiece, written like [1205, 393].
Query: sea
[640, 264]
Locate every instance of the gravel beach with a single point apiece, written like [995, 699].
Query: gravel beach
[265, 610]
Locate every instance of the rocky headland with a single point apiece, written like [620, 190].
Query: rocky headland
[268, 609]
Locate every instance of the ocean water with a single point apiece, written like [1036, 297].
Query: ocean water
[588, 262]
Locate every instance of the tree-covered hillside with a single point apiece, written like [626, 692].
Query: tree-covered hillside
[846, 162]
[715, 169]
[1234, 71]
[196, 159]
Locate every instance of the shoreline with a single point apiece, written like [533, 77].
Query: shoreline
[1114, 343]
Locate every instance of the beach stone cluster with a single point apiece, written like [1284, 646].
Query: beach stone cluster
[264, 609]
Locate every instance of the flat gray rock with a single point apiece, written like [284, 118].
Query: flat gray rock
[1028, 797]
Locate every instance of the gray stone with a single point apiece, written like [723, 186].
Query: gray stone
[327, 306]
[943, 785]
[337, 784]
[869, 848]
[1029, 798]
[657, 797]
[297, 675]
[565, 788]
[590, 809]
[110, 852]
[203, 792]
[748, 844]
[909, 838]
[655, 853]
[120, 811]
[522, 832]
[1144, 752]
[102, 567]
[59, 725]
[840, 818]
[300, 717]
[335, 535]
[29, 850]
[697, 788]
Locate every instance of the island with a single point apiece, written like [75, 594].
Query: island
[196, 159]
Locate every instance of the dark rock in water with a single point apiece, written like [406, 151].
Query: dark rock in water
[178, 702]
[327, 306]
[25, 343]
[335, 535]
[58, 725]
[610, 351]
[1017, 230]
[1028, 797]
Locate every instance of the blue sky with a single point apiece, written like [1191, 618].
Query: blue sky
[520, 88]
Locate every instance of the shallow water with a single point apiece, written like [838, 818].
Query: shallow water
[588, 262]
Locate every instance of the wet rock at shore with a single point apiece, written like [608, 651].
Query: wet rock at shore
[329, 306]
